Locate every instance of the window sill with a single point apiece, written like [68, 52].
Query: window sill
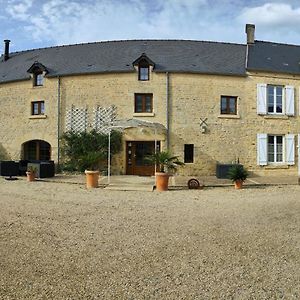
[37, 86]
[143, 114]
[281, 117]
[229, 116]
[38, 117]
[274, 167]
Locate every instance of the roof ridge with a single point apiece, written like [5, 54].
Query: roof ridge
[129, 40]
[285, 44]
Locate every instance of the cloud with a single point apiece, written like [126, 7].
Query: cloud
[272, 14]
[19, 9]
[36, 23]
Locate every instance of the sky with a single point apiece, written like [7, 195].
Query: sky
[42, 23]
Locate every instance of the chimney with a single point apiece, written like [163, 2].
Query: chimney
[6, 49]
[250, 30]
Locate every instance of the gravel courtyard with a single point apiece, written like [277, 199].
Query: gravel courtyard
[61, 241]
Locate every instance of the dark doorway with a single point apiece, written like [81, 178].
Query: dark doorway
[36, 150]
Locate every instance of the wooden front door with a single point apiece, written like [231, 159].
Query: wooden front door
[136, 163]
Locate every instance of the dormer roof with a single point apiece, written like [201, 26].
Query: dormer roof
[37, 67]
[143, 58]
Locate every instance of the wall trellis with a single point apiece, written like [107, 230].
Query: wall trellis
[103, 117]
[77, 118]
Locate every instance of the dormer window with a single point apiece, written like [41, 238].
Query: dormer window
[38, 72]
[143, 65]
[38, 79]
[143, 70]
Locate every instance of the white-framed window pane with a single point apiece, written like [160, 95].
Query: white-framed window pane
[270, 99]
[275, 99]
[144, 73]
[279, 103]
[275, 148]
[39, 79]
[271, 148]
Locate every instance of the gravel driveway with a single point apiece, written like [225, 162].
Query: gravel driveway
[61, 241]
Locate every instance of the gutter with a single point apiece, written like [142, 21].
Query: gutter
[168, 110]
[58, 122]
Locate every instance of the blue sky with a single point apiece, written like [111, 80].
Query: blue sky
[42, 23]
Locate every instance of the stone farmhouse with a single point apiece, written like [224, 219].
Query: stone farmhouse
[214, 102]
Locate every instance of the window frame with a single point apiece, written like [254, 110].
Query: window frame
[37, 82]
[227, 98]
[275, 136]
[143, 95]
[40, 108]
[189, 159]
[275, 99]
[144, 65]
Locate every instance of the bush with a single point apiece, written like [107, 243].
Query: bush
[86, 150]
[237, 172]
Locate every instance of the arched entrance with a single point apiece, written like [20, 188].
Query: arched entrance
[36, 150]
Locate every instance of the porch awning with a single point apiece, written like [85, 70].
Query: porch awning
[134, 123]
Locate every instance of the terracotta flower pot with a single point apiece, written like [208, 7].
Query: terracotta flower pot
[238, 184]
[162, 181]
[30, 176]
[92, 178]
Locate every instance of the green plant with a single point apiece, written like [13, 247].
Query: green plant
[165, 161]
[237, 172]
[88, 150]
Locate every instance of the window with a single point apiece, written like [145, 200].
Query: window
[143, 70]
[275, 99]
[188, 153]
[228, 105]
[38, 79]
[275, 148]
[143, 103]
[38, 108]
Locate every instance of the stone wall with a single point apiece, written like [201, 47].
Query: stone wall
[193, 98]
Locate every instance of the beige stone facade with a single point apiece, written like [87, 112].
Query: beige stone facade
[192, 98]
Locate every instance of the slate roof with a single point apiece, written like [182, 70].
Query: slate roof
[118, 56]
[274, 57]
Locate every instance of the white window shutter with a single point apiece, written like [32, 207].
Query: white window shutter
[290, 149]
[262, 149]
[261, 99]
[289, 100]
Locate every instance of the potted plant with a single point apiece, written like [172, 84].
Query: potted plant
[30, 173]
[90, 162]
[165, 163]
[238, 174]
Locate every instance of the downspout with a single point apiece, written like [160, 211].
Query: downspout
[168, 110]
[58, 123]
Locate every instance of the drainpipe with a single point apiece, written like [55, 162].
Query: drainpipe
[58, 122]
[168, 110]
[298, 148]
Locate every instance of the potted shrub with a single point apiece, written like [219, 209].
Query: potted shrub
[30, 173]
[90, 162]
[238, 174]
[166, 163]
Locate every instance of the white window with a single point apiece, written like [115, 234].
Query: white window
[275, 149]
[38, 79]
[275, 99]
